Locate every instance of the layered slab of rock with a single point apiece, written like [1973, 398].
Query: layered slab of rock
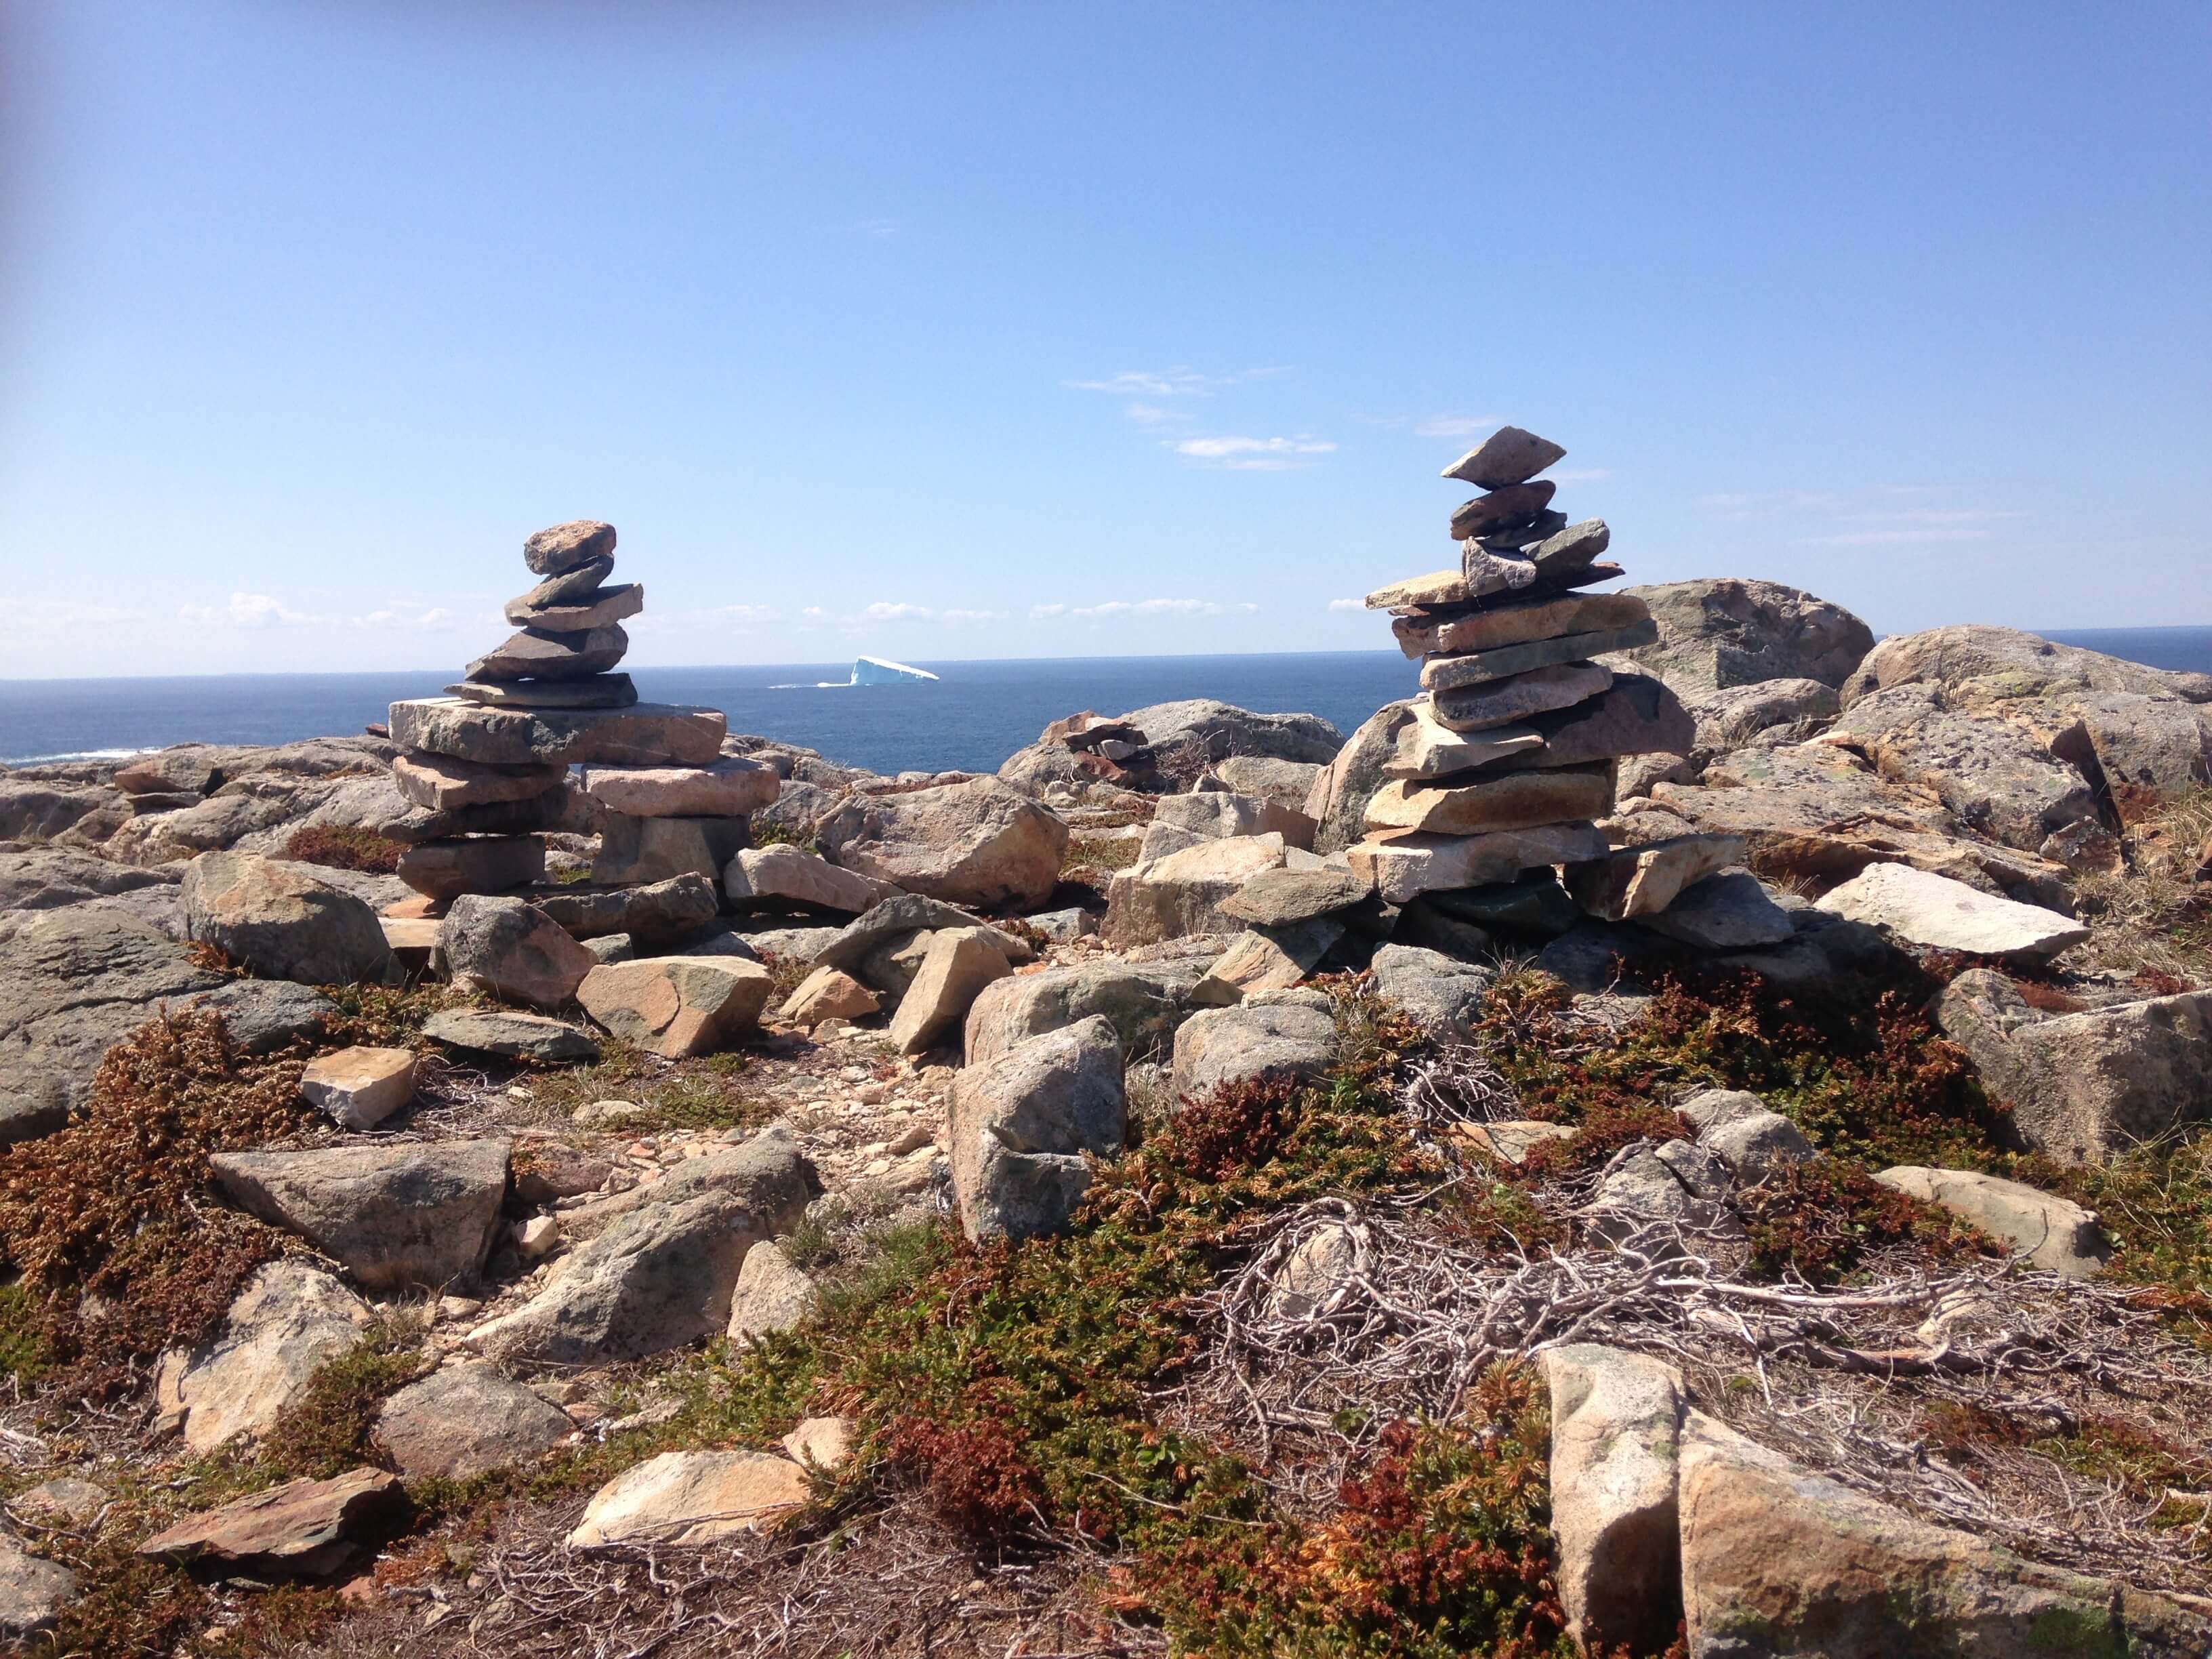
[1182, 893]
[1516, 621]
[688, 1498]
[2050, 1232]
[1405, 864]
[1466, 804]
[646, 734]
[654, 913]
[1463, 670]
[1945, 915]
[784, 874]
[515, 1036]
[1504, 701]
[1644, 879]
[979, 842]
[303, 1528]
[1024, 1123]
[466, 1421]
[288, 1321]
[728, 788]
[676, 1005]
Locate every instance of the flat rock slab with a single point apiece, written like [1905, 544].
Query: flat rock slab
[1278, 898]
[1643, 880]
[401, 1213]
[959, 963]
[1446, 673]
[689, 1498]
[1441, 588]
[2051, 1231]
[438, 783]
[530, 654]
[1508, 504]
[1516, 621]
[657, 913]
[1505, 701]
[568, 587]
[1181, 894]
[1510, 1141]
[1267, 959]
[1254, 1041]
[466, 1421]
[1405, 864]
[979, 842]
[1948, 915]
[581, 613]
[516, 1036]
[676, 1005]
[784, 874]
[303, 1528]
[1425, 748]
[594, 691]
[1636, 715]
[1468, 805]
[729, 788]
[646, 734]
[444, 870]
[1509, 455]
[288, 1321]
[359, 1087]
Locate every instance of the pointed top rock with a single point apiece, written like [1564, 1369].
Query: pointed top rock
[1507, 456]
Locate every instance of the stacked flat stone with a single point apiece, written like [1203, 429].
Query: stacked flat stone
[490, 760]
[1510, 752]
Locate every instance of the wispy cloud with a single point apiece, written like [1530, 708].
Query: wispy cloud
[888, 611]
[1153, 414]
[1860, 517]
[1879, 538]
[1347, 604]
[1181, 381]
[1255, 454]
[248, 610]
[1457, 425]
[428, 619]
[1111, 608]
[50, 614]
[877, 228]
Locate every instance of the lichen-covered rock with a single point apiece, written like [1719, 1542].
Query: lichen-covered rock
[466, 1421]
[288, 1321]
[686, 1499]
[676, 1005]
[514, 951]
[1145, 1002]
[283, 920]
[1723, 631]
[1022, 1123]
[979, 842]
[2051, 1231]
[1292, 1039]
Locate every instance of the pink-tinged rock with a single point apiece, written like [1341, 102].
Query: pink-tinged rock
[438, 783]
[359, 1087]
[644, 734]
[1504, 701]
[303, 1528]
[728, 788]
[1473, 804]
[676, 1005]
[569, 546]
[1516, 621]
[691, 1497]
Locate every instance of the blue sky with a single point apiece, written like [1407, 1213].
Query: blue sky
[1008, 330]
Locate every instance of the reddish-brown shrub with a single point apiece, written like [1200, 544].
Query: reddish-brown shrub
[345, 847]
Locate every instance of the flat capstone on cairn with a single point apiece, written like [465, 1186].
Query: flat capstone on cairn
[1509, 756]
[544, 713]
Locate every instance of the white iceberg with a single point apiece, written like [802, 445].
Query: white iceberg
[876, 670]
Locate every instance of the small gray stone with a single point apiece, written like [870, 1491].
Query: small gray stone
[1252, 1041]
[1444, 996]
[1021, 1124]
[466, 1421]
[1508, 456]
[1738, 1128]
[1730, 911]
[518, 1037]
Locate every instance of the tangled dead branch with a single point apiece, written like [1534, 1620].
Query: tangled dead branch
[1410, 1317]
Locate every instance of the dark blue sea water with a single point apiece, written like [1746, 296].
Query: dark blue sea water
[973, 717]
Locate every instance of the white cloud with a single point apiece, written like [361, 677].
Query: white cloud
[1254, 454]
[1109, 608]
[1457, 425]
[248, 610]
[744, 615]
[1153, 414]
[1347, 604]
[1579, 474]
[971, 616]
[1177, 382]
[877, 228]
[885, 610]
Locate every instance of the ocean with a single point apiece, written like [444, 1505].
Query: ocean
[970, 718]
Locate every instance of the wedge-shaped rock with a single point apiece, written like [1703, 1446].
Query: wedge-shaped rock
[729, 788]
[512, 950]
[1219, 814]
[438, 783]
[1023, 1124]
[1143, 1001]
[517, 1037]
[663, 1273]
[1616, 1443]
[979, 842]
[1730, 911]
[656, 914]
[289, 1321]
[959, 963]
[1736, 1127]
[401, 1213]
[466, 1421]
[1427, 749]
[531, 655]
[635, 851]
[1405, 864]
[646, 734]
[1183, 893]
[1516, 621]
[1502, 703]
[1508, 456]
[686, 1499]
[1508, 800]
[569, 546]
[1278, 898]
[2083, 1086]
[303, 1528]
[1448, 587]
[569, 586]
[1643, 880]
[1508, 504]
[1776, 1560]
[676, 1005]
[896, 919]
[1267, 959]
[772, 1294]
[829, 993]
[581, 614]
[2051, 1231]
[1948, 915]
[784, 874]
[593, 691]
[1448, 673]
[1572, 548]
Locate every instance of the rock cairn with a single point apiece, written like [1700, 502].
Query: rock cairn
[490, 761]
[1509, 756]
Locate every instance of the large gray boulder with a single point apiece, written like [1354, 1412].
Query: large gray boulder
[1023, 1124]
[32, 1591]
[466, 1421]
[1145, 1003]
[1282, 1036]
[283, 920]
[1725, 631]
[663, 1274]
[48, 878]
[393, 1215]
[2083, 1086]
[1218, 814]
[1183, 893]
[512, 950]
[1337, 799]
[1215, 730]
[2051, 1231]
[1444, 994]
[31, 809]
[979, 842]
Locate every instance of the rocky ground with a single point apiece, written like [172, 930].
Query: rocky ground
[985, 1215]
